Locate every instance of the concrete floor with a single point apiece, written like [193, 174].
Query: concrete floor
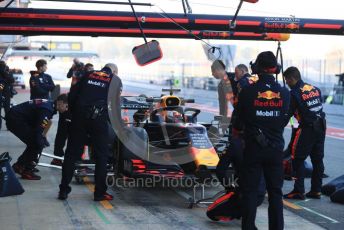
[132, 208]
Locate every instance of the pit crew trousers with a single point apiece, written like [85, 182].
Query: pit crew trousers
[258, 160]
[97, 129]
[25, 133]
[309, 141]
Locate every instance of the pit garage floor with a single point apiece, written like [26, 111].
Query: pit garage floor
[133, 207]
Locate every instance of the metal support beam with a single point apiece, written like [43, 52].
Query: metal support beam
[194, 22]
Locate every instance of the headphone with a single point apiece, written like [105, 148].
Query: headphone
[256, 69]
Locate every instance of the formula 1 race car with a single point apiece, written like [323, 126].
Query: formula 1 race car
[164, 139]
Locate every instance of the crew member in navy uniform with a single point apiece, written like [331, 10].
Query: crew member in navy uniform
[27, 121]
[6, 80]
[41, 84]
[65, 119]
[240, 80]
[233, 153]
[262, 109]
[306, 106]
[88, 105]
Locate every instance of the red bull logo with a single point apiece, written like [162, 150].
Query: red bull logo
[269, 103]
[310, 95]
[291, 26]
[100, 76]
[307, 88]
[269, 95]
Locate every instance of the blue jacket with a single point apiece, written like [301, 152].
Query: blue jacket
[263, 107]
[243, 82]
[92, 89]
[237, 85]
[305, 103]
[40, 85]
[35, 113]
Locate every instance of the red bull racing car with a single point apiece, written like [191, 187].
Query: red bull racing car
[163, 139]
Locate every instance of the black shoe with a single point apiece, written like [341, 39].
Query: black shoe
[46, 142]
[18, 168]
[33, 167]
[56, 162]
[35, 170]
[63, 193]
[313, 195]
[106, 196]
[30, 175]
[294, 195]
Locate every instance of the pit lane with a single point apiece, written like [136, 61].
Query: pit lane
[153, 207]
[322, 212]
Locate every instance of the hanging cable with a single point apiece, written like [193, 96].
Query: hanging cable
[188, 6]
[233, 21]
[9, 46]
[165, 15]
[184, 7]
[280, 55]
[138, 22]
[8, 4]
[212, 48]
